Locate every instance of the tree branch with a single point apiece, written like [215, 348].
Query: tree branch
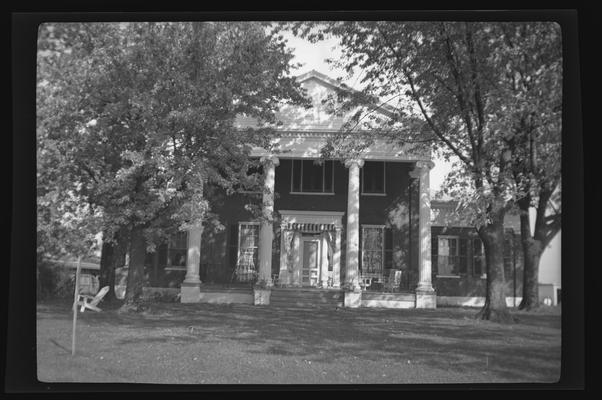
[460, 96]
[477, 88]
[420, 105]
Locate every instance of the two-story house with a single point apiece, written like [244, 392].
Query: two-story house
[357, 224]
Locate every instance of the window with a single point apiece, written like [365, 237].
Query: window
[312, 176]
[478, 257]
[248, 240]
[373, 177]
[447, 256]
[177, 250]
[372, 249]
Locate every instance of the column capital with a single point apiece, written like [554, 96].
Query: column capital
[425, 164]
[421, 167]
[271, 159]
[358, 161]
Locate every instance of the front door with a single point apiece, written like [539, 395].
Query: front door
[309, 274]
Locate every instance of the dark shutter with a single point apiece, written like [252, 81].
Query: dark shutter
[463, 255]
[434, 253]
[328, 167]
[233, 245]
[477, 253]
[388, 248]
[296, 166]
[379, 181]
[162, 255]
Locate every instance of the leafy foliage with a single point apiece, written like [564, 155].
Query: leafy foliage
[135, 119]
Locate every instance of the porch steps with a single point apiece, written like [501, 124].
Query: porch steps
[306, 297]
[389, 300]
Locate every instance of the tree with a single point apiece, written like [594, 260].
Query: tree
[446, 82]
[533, 66]
[144, 114]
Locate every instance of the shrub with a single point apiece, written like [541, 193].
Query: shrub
[54, 280]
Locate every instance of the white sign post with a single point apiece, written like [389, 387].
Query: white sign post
[75, 297]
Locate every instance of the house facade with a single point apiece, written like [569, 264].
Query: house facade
[458, 258]
[348, 225]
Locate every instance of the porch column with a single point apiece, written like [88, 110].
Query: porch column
[285, 249]
[353, 224]
[297, 243]
[266, 232]
[425, 294]
[324, 261]
[336, 259]
[191, 286]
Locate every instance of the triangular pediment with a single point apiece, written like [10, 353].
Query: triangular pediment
[319, 117]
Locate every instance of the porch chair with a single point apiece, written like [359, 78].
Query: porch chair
[365, 281]
[91, 302]
[393, 281]
[245, 268]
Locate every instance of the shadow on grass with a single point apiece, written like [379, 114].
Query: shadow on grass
[447, 339]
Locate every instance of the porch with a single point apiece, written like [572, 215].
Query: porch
[300, 297]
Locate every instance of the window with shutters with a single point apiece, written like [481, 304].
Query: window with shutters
[312, 176]
[448, 252]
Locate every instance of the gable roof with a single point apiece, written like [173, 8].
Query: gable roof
[296, 118]
[335, 84]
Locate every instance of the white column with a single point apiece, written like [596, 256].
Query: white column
[324, 262]
[285, 244]
[353, 224]
[336, 259]
[190, 289]
[193, 261]
[425, 297]
[266, 233]
[296, 279]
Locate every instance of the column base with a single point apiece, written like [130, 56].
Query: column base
[352, 299]
[190, 292]
[261, 297]
[426, 299]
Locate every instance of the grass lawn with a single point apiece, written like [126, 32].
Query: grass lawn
[244, 344]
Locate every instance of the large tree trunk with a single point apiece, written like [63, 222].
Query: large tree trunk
[492, 236]
[107, 272]
[112, 257]
[533, 245]
[532, 250]
[135, 279]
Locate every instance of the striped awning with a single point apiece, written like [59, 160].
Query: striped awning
[309, 228]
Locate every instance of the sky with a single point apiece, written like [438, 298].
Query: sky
[314, 55]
